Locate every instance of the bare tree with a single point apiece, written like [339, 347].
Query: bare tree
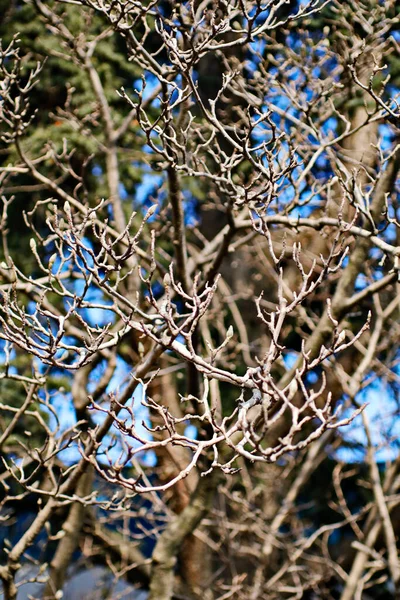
[179, 362]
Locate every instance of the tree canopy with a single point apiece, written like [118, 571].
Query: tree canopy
[199, 277]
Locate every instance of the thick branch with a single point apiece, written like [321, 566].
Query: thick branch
[170, 542]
